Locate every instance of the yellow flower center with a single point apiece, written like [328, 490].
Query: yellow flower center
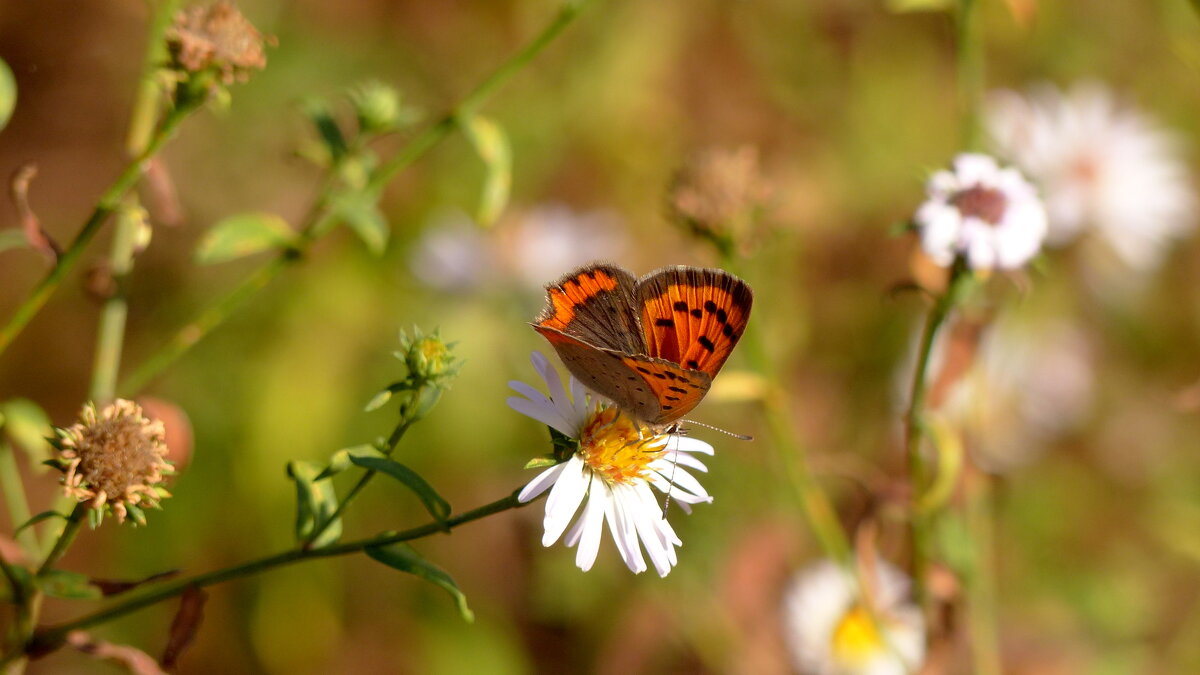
[855, 639]
[615, 448]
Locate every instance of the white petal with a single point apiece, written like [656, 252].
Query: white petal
[543, 412]
[686, 444]
[564, 500]
[644, 517]
[590, 526]
[624, 534]
[538, 485]
[558, 395]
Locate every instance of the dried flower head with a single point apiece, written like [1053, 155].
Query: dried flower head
[718, 194]
[115, 459]
[216, 38]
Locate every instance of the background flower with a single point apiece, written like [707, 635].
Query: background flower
[990, 216]
[1105, 167]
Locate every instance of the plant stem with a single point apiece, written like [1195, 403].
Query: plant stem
[917, 471]
[73, 524]
[14, 497]
[815, 504]
[970, 68]
[50, 638]
[108, 203]
[320, 221]
[110, 338]
[393, 441]
[981, 587]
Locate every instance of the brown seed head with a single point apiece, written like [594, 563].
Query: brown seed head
[719, 191]
[217, 37]
[115, 459]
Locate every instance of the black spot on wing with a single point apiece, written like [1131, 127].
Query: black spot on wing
[706, 343]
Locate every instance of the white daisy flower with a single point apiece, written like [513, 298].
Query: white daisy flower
[990, 216]
[1101, 166]
[830, 630]
[452, 254]
[610, 475]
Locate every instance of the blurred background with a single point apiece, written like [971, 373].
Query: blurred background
[844, 107]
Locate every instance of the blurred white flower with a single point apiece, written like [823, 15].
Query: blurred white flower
[831, 631]
[539, 244]
[1101, 166]
[610, 475]
[452, 254]
[1024, 385]
[989, 215]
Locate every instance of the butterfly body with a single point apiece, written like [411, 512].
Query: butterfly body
[651, 345]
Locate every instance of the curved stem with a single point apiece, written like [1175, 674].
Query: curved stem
[74, 522]
[52, 637]
[319, 221]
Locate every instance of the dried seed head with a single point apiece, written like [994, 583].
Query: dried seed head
[718, 194]
[115, 460]
[216, 38]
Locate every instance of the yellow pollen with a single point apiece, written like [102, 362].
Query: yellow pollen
[855, 639]
[615, 448]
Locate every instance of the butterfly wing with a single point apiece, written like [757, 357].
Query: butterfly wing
[674, 390]
[693, 317]
[595, 304]
[608, 373]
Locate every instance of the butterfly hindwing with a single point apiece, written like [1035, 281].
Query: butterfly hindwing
[675, 390]
[595, 304]
[605, 372]
[693, 317]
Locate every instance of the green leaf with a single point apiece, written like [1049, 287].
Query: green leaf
[438, 508]
[341, 460]
[28, 425]
[360, 212]
[12, 238]
[327, 129]
[37, 519]
[491, 143]
[541, 463]
[403, 557]
[316, 502]
[242, 235]
[378, 400]
[8, 93]
[901, 6]
[70, 585]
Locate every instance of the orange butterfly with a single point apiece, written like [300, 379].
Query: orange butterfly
[651, 345]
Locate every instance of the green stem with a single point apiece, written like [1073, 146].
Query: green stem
[981, 588]
[108, 203]
[111, 333]
[51, 638]
[970, 67]
[817, 508]
[393, 441]
[110, 336]
[320, 221]
[64, 541]
[918, 472]
[14, 497]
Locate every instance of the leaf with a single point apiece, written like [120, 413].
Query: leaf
[438, 508]
[326, 127]
[242, 235]
[184, 626]
[70, 585]
[360, 212]
[949, 450]
[37, 237]
[491, 143]
[900, 6]
[341, 460]
[316, 502]
[405, 558]
[12, 238]
[8, 93]
[37, 519]
[28, 425]
[541, 463]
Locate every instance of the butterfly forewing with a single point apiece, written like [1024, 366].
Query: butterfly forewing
[595, 304]
[693, 317]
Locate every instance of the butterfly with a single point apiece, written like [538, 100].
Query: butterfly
[651, 345]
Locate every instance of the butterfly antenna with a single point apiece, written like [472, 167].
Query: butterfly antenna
[675, 433]
[740, 437]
